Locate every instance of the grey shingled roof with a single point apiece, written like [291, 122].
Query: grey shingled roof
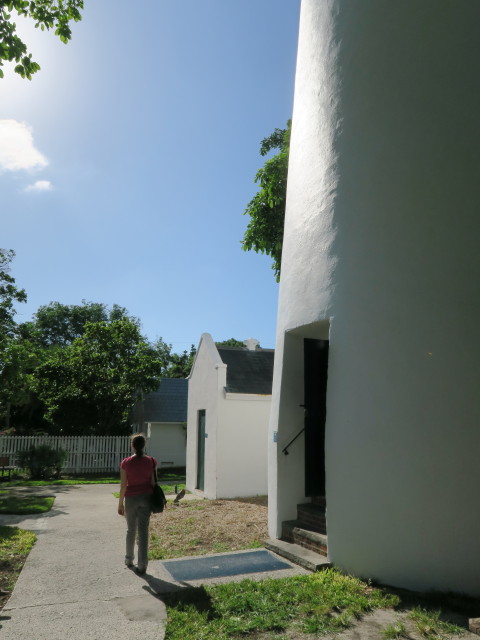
[248, 371]
[168, 403]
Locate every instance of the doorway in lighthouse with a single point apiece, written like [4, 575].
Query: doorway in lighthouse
[308, 356]
[315, 389]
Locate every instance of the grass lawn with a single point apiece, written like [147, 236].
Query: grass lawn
[103, 478]
[67, 480]
[15, 545]
[25, 504]
[318, 603]
[301, 607]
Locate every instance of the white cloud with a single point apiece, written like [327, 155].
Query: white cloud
[40, 185]
[17, 149]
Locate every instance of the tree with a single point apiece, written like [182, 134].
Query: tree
[264, 233]
[181, 363]
[9, 294]
[231, 342]
[47, 14]
[175, 365]
[19, 403]
[10, 358]
[54, 326]
[57, 324]
[91, 385]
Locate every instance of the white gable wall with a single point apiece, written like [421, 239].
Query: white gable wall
[236, 427]
[205, 390]
[242, 445]
[381, 255]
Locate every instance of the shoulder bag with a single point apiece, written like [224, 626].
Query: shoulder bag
[158, 500]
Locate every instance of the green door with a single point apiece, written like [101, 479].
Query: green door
[201, 450]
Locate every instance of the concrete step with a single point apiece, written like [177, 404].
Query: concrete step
[297, 554]
[296, 532]
[312, 516]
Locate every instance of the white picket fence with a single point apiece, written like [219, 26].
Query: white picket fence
[86, 454]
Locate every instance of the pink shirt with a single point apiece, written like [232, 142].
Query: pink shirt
[139, 471]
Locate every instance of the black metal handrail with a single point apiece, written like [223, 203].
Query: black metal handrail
[285, 449]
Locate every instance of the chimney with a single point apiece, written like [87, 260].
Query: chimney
[251, 344]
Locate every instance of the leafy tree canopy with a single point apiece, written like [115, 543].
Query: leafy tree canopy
[49, 343]
[175, 365]
[231, 342]
[47, 14]
[91, 385]
[11, 355]
[9, 294]
[57, 324]
[181, 363]
[264, 233]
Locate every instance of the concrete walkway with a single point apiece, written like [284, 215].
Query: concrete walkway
[74, 585]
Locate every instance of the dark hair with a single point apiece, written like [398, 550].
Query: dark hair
[138, 443]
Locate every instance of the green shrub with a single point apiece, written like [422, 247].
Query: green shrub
[42, 461]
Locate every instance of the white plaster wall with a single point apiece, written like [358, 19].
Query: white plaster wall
[167, 444]
[308, 257]
[381, 241]
[242, 445]
[205, 388]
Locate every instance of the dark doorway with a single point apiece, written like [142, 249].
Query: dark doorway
[315, 372]
[201, 450]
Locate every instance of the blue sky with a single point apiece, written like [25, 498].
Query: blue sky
[128, 160]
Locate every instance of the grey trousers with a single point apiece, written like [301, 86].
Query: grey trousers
[137, 513]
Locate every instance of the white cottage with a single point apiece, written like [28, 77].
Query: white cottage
[229, 397]
[379, 304]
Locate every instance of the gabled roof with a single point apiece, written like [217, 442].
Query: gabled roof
[248, 371]
[168, 403]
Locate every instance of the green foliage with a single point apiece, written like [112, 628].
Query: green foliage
[66, 480]
[174, 365]
[9, 294]
[42, 461]
[23, 505]
[15, 545]
[47, 14]
[75, 369]
[11, 357]
[17, 398]
[395, 631]
[430, 626]
[231, 342]
[91, 385]
[53, 327]
[57, 324]
[181, 363]
[264, 233]
[320, 603]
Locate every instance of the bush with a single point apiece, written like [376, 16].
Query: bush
[42, 461]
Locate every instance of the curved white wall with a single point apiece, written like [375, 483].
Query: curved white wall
[381, 243]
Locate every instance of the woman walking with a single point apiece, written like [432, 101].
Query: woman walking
[137, 477]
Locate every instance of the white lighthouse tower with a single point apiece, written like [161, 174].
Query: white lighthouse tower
[378, 339]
